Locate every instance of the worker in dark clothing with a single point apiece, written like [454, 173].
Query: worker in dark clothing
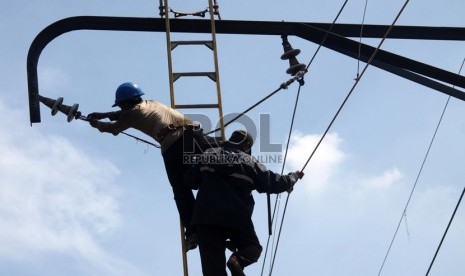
[176, 134]
[226, 177]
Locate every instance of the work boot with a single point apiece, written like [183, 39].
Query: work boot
[234, 266]
[191, 241]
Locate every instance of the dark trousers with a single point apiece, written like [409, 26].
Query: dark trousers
[212, 247]
[176, 159]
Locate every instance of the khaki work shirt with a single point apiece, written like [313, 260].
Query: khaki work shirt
[149, 117]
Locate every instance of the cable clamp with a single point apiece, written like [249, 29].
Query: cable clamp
[299, 76]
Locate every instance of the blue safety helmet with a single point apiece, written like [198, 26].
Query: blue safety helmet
[127, 91]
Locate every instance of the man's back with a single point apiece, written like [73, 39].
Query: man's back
[227, 178]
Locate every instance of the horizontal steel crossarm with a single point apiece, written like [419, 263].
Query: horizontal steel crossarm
[418, 72]
[310, 31]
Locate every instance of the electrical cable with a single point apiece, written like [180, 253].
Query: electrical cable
[417, 178]
[445, 233]
[276, 207]
[284, 85]
[342, 105]
[360, 40]
[282, 171]
[327, 33]
[356, 83]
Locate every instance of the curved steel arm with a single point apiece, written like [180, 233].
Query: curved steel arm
[310, 31]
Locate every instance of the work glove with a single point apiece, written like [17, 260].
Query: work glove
[294, 176]
[93, 122]
[97, 115]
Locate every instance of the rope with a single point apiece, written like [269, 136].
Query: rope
[141, 140]
[445, 233]
[84, 118]
[416, 180]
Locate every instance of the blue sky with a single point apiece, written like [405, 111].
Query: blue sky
[77, 202]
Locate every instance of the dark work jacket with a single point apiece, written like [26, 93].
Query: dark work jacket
[224, 195]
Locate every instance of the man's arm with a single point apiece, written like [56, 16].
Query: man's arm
[114, 127]
[271, 182]
[112, 115]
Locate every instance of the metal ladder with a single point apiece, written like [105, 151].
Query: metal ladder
[212, 10]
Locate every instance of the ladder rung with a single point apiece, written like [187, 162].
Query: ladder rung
[186, 106]
[211, 75]
[207, 43]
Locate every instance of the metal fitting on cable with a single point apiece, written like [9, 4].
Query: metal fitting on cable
[216, 9]
[161, 7]
[299, 76]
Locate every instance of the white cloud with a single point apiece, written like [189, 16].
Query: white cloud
[327, 162]
[386, 180]
[322, 165]
[54, 199]
[340, 213]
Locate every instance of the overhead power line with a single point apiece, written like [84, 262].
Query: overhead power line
[404, 212]
[276, 207]
[445, 233]
[356, 82]
[338, 112]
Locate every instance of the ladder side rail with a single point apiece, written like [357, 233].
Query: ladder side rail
[172, 101]
[215, 57]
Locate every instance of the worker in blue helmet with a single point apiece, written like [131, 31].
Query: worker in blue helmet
[225, 178]
[127, 91]
[176, 134]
